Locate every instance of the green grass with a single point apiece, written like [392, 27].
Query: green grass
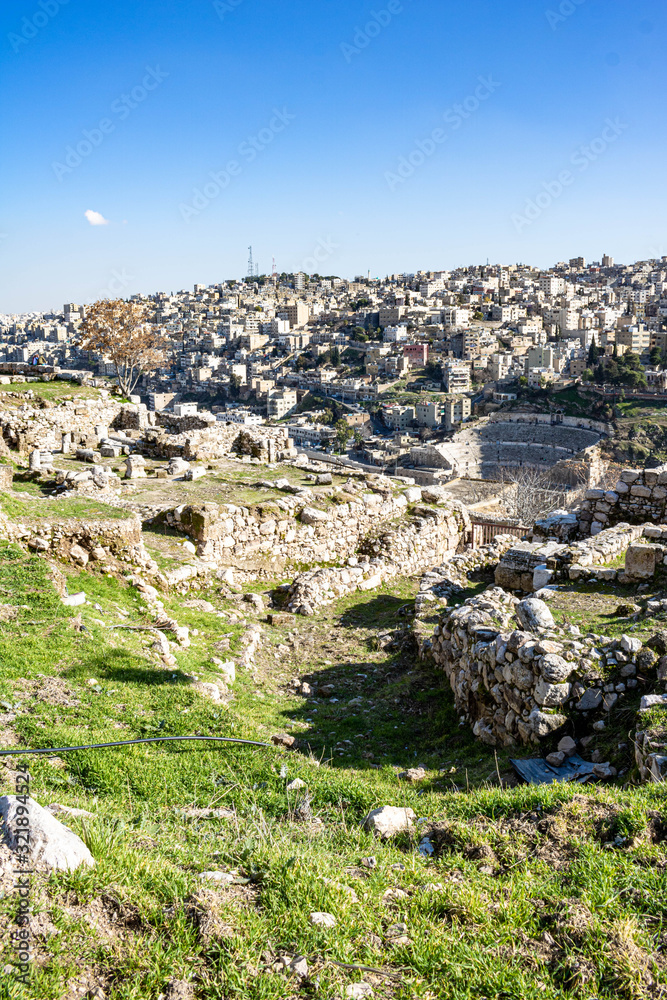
[537, 894]
[15, 506]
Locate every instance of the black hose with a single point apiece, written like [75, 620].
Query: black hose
[128, 743]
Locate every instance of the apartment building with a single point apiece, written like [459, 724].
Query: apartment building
[456, 377]
[280, 403]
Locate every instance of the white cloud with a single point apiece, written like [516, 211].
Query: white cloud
[96, 218]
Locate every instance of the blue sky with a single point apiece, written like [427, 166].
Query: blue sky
[387, 136]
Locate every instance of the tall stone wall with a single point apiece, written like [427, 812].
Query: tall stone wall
[639, 496]
[290, 532]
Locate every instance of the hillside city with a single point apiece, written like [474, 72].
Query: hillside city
[403, 358]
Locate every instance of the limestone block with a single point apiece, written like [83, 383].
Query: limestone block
[534, 615]
[640, 491]
[551, 695]
[640, 562]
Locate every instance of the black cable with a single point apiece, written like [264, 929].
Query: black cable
[127, 743]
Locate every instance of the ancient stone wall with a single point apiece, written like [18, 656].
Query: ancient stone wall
[268, 444]
[402, 549]
[517, 678]
[639, 496]
[32, 426]
[292, 531]
[98, 540]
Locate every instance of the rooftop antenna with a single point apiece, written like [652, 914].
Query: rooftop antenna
[251, 265]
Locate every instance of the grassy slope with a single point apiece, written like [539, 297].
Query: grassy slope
[533, 898]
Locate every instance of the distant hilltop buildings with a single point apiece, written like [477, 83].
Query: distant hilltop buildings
[259, 348]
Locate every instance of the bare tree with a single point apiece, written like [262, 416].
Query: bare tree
[121, 332]
[531, 493]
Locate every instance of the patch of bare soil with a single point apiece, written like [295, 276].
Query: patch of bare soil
[52, 690]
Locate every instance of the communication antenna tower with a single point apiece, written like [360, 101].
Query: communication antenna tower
[251, 265]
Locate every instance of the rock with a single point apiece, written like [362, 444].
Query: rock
[598, 726]
[98, 554]
[56, 808]
[387, 821]
[413, 774]
[551, 695]
[79, 555]
[652, 701]
[179, 989]
[293, 786]
[225, 667]
[74, 600]
[625, 610]
[590, 700]
[640, 561]
[220, 877]
[556, 759]
[210, 691]
[534, 615]
[322, 920]
[567, 746]
[325, 479]
[255, 600]
[190, 547]
[284, 740]
[369, 862]
[555, 669]
[542, 576]
[51, 843]
[311, 515]
[604, 771]
[299, 967]
[630, 645]
[357, 991]
[543, 724]
[413, 494]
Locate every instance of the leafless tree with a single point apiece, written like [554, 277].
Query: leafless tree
[531, 493]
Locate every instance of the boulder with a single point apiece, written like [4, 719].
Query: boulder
[387, 821]
[534, 615]
[51, 842]
[311, 515]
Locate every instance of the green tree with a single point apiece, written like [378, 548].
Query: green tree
[335, 356]
[593, 354]
[343, 434]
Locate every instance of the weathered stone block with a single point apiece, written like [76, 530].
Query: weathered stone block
[640, 562]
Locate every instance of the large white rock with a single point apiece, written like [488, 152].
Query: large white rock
[50, 843]
[311, 515]
[534, 615]
[388, 821]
